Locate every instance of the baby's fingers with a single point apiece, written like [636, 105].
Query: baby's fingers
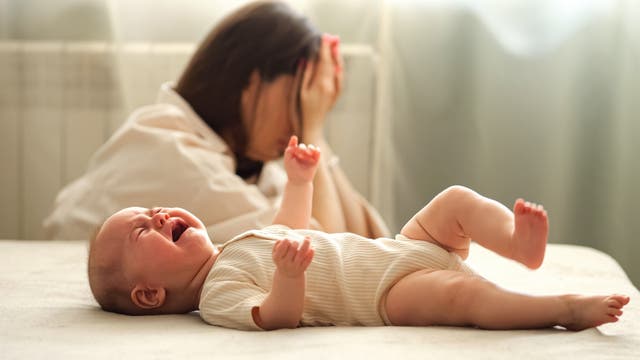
[277, 251]
[307, 259]
[292, 147]
[292, 250]
[282, 249]
[302, 251]
[314, 152]
[307, 153]
[293, 141]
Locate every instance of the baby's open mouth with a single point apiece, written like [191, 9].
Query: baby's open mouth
[177, 229]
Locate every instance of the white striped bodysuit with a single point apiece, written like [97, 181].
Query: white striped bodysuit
[346, 283]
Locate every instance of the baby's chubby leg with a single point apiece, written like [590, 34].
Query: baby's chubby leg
[445, 297]
[458, 214]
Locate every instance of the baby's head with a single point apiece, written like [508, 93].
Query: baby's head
[149, 261]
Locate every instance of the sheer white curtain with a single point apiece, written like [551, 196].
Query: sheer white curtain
[537, 99]
[530, 98]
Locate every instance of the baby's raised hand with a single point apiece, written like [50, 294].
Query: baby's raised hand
[291, 260]
[301, 161]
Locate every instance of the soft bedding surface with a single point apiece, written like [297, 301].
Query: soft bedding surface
[47, 311]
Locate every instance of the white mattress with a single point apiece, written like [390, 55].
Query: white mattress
[46, 311]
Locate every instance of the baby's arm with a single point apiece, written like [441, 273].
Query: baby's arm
[301, 163]
[283, 307]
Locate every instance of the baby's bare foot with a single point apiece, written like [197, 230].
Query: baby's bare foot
[530, 233]
[591, 311]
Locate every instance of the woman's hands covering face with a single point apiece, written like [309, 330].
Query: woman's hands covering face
[320, 88]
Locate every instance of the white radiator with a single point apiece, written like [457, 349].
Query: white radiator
[60, 101]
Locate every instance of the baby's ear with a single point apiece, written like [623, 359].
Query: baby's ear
[147, 297]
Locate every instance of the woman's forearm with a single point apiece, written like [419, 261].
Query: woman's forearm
[283, 307]
[354, 212]
[327, 206]
[336, 204]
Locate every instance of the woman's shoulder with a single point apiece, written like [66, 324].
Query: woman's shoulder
[160, 115]
[170, 120]
[165, 130]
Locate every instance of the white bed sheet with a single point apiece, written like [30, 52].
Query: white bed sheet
[46, 311]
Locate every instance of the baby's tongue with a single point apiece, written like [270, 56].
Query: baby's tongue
[177, 232]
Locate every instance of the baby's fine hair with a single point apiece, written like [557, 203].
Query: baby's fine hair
[112, 288]
[108, 284]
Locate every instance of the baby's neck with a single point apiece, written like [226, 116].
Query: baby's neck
[198, 281]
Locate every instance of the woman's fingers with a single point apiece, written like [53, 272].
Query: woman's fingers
[307, 77]
[320, 86]
[296, 125]
[334, 43]
[339, 64]
[321, 68]
[325, 61]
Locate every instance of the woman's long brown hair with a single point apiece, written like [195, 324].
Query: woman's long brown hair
[268, 36]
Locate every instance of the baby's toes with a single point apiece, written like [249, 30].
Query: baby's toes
[624, 299]
[535, 209]
[527, 207]
[518, 207]
[614, 312]
[614, 303]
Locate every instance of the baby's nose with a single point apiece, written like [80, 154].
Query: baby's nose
[160, 219]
